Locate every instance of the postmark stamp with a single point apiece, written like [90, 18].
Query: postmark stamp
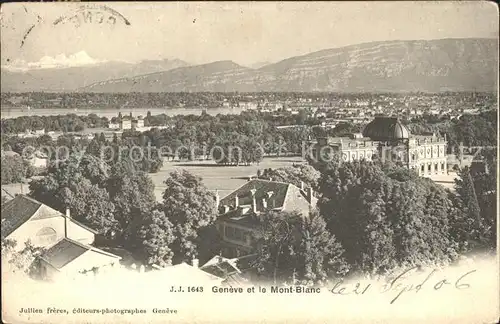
[93, 14]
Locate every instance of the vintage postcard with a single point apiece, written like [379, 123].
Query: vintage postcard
[249, 162]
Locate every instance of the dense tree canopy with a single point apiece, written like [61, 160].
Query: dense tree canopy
[190, 207]
[297, 249]
[382, 222]
[295, 174]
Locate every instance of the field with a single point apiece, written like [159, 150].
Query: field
[222, 178]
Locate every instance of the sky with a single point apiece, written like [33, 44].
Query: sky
[244, 32]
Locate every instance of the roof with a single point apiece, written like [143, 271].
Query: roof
[220, 267]
[67, 250]
[235, 280]
[183, 272]
[246, 262]
[63, 252]
[278, 195]
[262, 188]
[19, 210]
[386, 128]
[16, 212]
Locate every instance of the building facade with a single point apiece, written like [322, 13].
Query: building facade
[24, 218]
[387, 139]
[239, 211]
[68, 259]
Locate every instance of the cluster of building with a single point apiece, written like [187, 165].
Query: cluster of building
[358, 109]
[129, 122]
[70, 245]
[70, 251]
[68, 242]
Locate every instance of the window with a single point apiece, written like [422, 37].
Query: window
[45, 236]
[435, 167]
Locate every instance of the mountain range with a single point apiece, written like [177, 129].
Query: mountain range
[73, 78]
[469, 64]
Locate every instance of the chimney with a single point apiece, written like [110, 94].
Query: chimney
[310, 194]
[217, 199]
[302, 185]
[66, 222]
[264, 203]
[236, 201]
[195, 263]
[254, 202]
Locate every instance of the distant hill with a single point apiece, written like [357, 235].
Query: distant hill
[73, 78]
[391, 66]
[400, 66]
[258, 65]
[222, 76]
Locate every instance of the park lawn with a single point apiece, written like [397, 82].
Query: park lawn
[225, 179]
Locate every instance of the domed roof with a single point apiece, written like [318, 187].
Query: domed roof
[386, 129]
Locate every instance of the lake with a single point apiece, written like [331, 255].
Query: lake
[113, 112]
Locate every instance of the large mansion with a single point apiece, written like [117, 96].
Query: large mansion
[386, 138]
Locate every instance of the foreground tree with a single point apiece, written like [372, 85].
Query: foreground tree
[78, 184]
[477, 196]
[132, 194]
[190, 207]
[156, 235]
[297, 249]
[384, 221]
[23, 261]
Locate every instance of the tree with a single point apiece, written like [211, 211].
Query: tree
[23, 261]
[132, 194]
[293, 248]
[478, 201]
[319, 252]
[385, 221]
[275, 245]
[80, 185]
[89, 204]
[156, 235]
[15, 169]
[465, 189]
[295, 175]
[464, 186]
[190, 207]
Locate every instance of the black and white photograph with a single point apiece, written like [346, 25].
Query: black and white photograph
[249, 162]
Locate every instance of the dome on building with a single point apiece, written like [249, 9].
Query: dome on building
[386, 129]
